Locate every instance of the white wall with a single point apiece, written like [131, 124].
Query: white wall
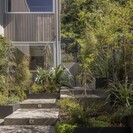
[1, 17]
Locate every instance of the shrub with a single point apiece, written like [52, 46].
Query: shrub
[64, 128]
[97, 123]
[51, 80]
[74, 112]
[5, 100]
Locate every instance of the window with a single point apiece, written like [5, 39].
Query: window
[30, 6]
[9, 5]
[41, 54]
[40, 5]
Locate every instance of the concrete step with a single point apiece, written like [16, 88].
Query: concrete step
[44, 96]
[38, 103]
[1, 121]
[81, 91]
[26, 129]
[82, 96]
[33, 117]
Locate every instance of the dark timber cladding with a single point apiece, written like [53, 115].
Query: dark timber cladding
[1, 15]
[15, 8]
[30, 27]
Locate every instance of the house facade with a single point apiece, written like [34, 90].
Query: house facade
[33, 26]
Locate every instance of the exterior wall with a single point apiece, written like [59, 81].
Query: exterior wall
[1, 17]
[22, 8]
[29, 27]
[24, 27]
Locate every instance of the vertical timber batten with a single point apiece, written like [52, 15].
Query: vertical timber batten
[1, 17]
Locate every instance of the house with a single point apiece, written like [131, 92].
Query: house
[33, 26]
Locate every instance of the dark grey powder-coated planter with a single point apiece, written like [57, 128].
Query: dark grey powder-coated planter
[130, 122]
[101, 82]
[103, 130]
[7, 110]
[44, 95]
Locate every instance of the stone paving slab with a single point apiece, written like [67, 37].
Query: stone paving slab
[79, 91]
[37, 101]
[33, 117]
[27, 129]
[79, 96]
[1, 121]
[35, 113]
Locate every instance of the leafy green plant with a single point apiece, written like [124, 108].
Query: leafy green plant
[98, 123]
[74, 112]
[53, 79]
[14, 70]
[5, 100]
[68, 59]
[121, 94]
[64, 128]
[120, 115]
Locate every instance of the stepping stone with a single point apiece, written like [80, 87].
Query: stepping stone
[44, 96]
[27, 129]
[1, 121]
[33, 117]
[38, 103]
[80, 91]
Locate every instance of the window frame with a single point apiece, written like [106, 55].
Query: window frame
[6, 10]
[41, 43]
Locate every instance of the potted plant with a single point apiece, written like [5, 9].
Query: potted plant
[8, 105]
[50, 81]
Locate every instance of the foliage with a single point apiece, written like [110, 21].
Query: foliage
[104, 29]
[68, 59]
[97, 123]
[37, 88]
[121, 94]
[52, 79]
[7, 64]
[85, 75]
[121, 114]
[14, 71]
[64, 128]
[74, 112]
[77, 113]
[5, 100]
[22, 73]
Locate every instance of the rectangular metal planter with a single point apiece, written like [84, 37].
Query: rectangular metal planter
[7, 110]
[103, 130]
[44, 95]
[101, 82]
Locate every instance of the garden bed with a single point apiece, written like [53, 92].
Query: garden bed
[103, 130]
[7, 110]
[44, 95]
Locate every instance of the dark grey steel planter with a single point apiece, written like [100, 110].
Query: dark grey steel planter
[130, 122]
[44, 95]
[101, 82]
[103, 130]
[7, 110]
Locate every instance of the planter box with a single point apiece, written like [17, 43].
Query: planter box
[44, 96]
[130, 122]
[101, 82]
[103, 130]
[7, 110]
